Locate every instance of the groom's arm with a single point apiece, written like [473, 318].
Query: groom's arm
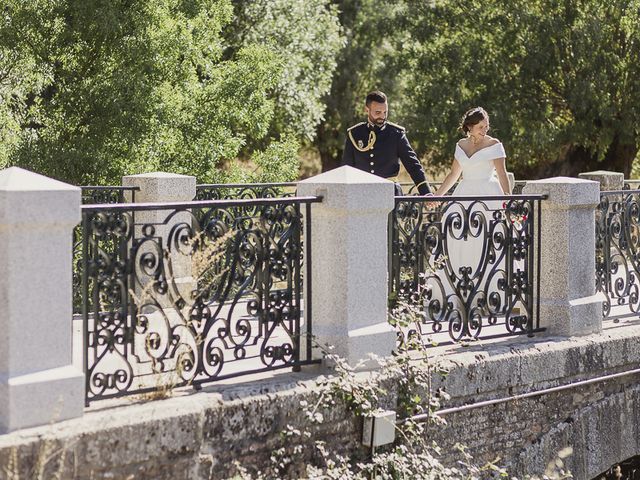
[413, 166]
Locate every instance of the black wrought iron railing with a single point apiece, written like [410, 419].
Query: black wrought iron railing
[94, 195]
[410, 189]
[224, 191]
[185, 294]
[618, 253]
[467, 267]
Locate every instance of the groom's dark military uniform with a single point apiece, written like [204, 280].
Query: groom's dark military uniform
[377, 150]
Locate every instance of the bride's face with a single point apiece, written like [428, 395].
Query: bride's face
[480, 129]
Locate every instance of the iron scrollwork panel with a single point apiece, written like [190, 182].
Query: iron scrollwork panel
[215, 292]
[618, 253]
[106, 307]
[468, 265]
[92, 195]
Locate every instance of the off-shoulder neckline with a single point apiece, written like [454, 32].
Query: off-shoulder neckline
[477, 151]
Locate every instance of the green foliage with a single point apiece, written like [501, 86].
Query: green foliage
[92, 90]
[560, 79]
[278, 163]
[367, 62]
[306, 36]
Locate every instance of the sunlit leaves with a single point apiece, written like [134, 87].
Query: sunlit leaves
[92, 90]
[554, 75]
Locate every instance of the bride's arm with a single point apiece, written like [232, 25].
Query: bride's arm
[501, 170]
[450, 179]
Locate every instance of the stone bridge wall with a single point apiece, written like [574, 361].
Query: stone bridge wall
[200, 436]
[598, 420]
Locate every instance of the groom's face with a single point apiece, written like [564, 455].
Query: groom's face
[377, 113]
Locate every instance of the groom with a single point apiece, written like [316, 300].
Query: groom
[376, 145]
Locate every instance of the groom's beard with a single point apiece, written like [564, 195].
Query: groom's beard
[378, 122]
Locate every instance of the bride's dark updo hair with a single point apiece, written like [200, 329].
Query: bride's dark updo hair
[473, 117]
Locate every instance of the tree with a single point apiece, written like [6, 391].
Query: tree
[561, 80]
[92, 90]
[306, 36]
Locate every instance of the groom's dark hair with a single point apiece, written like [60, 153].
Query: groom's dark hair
[375, 96]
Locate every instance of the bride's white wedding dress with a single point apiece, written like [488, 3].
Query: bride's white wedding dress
[470, 278]
[478, 173]
[479, 178]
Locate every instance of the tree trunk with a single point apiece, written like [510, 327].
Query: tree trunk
[621, 156]
[329, 162]
[329, 147]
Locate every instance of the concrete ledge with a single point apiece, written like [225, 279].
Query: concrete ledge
[49, 396]
[482, 371]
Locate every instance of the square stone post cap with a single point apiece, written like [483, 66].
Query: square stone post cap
[28, 198]
[347, 188]
[565, 192]
[161, 186]
[608, 180]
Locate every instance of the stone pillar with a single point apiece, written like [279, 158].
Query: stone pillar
[349, 258]
[158, 308]
[569, 304]
[38, 382]
[608, 180]
[160, 187]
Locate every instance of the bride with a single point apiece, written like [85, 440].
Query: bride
[469, 283]
[479, 158]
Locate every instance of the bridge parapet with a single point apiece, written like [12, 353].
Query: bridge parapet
[515, 399]
[569, 304]
[526, 401]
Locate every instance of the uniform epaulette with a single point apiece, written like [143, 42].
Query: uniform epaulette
[354, 126]
[397, 126]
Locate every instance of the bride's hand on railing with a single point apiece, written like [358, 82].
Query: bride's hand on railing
[431, 206]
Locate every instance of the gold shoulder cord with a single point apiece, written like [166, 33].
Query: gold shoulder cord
[397, 126]
[371, 142]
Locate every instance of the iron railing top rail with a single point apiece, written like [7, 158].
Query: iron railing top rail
[618, 192]
[199, 204]
[246, 185]
[467, 198]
